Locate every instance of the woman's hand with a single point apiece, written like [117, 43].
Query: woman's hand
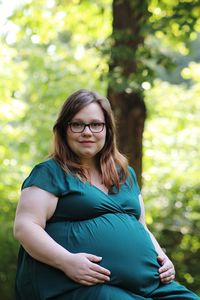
[167, 271]
[84, 269]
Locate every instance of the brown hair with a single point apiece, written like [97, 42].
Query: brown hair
[112, 164]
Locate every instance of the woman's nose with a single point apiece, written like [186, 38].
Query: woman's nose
[87, 131]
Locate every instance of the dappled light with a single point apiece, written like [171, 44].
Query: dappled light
[51, 48]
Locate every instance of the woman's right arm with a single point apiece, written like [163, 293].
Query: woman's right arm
[35, 207]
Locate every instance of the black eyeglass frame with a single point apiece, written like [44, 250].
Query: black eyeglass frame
[87, 125]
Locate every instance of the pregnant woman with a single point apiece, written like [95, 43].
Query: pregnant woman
[80, 219]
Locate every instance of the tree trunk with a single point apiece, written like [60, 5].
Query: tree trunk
[129, 17]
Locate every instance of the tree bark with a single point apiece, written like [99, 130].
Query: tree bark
[129, 18]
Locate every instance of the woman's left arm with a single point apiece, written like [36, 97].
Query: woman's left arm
[167, 271]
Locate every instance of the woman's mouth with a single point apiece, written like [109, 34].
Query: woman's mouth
[86, 142]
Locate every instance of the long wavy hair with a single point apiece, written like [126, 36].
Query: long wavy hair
[113, 166]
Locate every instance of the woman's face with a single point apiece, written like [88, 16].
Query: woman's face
[87, 144]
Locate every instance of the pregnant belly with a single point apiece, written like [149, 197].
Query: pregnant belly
[122, 242]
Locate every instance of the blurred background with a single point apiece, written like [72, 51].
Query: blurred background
[143, 55]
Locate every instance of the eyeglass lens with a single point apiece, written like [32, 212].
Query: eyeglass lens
[80, 127]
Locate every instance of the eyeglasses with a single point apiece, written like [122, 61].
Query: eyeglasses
[78, 127]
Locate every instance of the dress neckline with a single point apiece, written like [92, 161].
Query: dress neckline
[97, 188]
[87, 183]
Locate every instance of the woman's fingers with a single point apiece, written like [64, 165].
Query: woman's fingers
[167, 276]
[86, 270]
[160, 259]
[168, 279]
[96, 270]
[166, 266]
[94, 266]
[99, 269]
[92, 257]
[99, 276]
[167, 271]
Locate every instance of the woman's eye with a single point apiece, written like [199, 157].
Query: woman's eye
[77, 124]
[96, 124]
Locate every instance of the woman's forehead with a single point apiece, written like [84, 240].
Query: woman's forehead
[92, 111]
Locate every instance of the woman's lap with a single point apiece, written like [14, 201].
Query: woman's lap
[99, 292]
[173, 291]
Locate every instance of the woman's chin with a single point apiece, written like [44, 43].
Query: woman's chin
[87, 155]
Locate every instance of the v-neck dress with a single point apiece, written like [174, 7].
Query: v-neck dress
[88, 220]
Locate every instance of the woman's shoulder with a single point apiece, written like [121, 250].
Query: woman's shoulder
[49, 163]
[130, 176]
[51, 167]
[131, 171]
[134, 178]
[47, 175]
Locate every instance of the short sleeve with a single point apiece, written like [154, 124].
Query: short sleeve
[134, 178]
[45, 178]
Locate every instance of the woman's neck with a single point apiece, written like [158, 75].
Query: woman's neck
[90, 165]
[94, 175]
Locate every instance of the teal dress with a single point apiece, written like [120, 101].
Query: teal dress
[89, 220]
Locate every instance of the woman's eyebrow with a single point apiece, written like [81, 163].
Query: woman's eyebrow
[91, 121]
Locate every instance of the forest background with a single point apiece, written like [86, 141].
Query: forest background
[50, 48]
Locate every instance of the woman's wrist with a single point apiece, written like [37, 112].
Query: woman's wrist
[63, 260]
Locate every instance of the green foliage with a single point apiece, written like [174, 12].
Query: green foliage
[49, 51]
[158, 34]
[51, 48]
[171, 167]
